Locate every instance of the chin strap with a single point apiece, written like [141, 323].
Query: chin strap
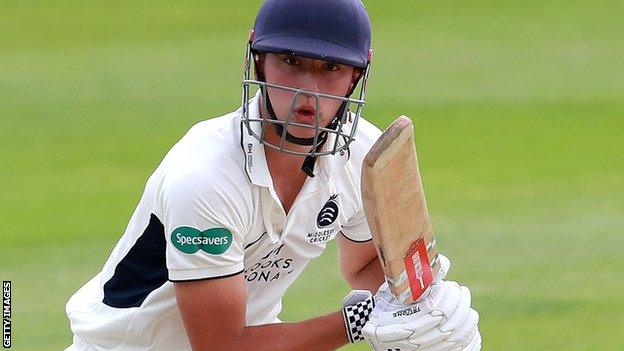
[279, 129]
[308, 164]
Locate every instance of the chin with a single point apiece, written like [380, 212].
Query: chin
[301, 132]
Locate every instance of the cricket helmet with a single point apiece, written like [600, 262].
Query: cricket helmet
[331, 30]
[337, 31]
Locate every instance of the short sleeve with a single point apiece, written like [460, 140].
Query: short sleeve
[203, 229]
[356, 229]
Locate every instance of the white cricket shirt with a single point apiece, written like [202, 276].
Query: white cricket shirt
[210, 210]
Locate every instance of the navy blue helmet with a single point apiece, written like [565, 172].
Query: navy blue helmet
[330, 30]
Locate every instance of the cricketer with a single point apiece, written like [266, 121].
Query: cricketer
[239, 206]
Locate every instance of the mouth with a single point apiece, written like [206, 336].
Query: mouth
[305, 114]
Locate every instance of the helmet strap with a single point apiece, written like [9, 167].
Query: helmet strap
[309, 162]
[279, 129]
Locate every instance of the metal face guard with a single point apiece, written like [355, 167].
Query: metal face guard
[340, 138]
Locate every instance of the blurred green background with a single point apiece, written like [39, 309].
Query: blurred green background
[519, 114]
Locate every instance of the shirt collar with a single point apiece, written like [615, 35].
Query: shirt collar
[255, 157]
[325, 164]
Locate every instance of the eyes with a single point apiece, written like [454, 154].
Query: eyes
[330, 66]
[294, 61]
[291, 61]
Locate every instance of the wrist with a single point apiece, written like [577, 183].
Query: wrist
[357, 308]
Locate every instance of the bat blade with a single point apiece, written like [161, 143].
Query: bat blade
[397, 214]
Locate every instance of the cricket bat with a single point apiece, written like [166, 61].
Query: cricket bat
[396, 211]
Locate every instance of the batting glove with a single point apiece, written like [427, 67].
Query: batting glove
[442, 320]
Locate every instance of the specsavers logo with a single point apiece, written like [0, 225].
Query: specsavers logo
[190, 240]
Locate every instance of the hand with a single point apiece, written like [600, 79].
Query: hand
[442, 320]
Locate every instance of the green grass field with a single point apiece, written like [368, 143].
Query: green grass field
[519, 113]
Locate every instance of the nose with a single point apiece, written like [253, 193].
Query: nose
[309, 82]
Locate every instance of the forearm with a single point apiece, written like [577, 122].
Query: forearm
[221, 326]
[321, 333]
[370, 277]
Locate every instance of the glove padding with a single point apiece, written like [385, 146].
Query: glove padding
[442, 320]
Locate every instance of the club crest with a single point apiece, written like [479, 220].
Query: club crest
[329, 212]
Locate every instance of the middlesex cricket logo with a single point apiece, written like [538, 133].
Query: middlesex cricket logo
[190, 240]
[329, 213]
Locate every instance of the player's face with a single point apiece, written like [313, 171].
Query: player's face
[312, 75]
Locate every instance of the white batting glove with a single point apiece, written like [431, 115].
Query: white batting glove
[442, 320]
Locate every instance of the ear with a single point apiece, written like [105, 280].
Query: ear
[258, 58]
[357, 73]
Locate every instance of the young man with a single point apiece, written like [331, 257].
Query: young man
[243, 202]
